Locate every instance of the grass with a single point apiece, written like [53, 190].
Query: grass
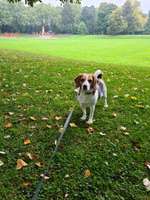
[124, 50]
[42, 86]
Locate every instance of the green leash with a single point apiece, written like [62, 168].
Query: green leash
[63, 130]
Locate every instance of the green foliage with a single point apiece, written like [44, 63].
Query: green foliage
[88, 16]
[104, 12]
[32, 2]
[66, 19]
[82, 28]
[147, 25]
[116, 23]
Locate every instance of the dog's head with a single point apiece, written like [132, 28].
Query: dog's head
[86, 82]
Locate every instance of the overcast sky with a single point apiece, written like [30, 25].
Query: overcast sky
[144, 3]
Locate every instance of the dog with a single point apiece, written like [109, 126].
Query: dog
[89, 88]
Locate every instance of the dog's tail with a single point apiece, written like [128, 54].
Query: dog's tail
[98, 74]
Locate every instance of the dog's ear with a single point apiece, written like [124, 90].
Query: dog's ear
[94, 82]
[78, 81]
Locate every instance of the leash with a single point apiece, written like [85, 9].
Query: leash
[62, 131]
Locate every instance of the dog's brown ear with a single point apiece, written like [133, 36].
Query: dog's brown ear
[78, 81]
[94, 82]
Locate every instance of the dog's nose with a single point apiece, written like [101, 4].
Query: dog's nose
[84, 87]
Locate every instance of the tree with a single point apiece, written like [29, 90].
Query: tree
[69, 18]
[133, 15]
[116, 23]
[82, 28]
[31, 2]
[104, 12]
[147, 25]
[88, 16]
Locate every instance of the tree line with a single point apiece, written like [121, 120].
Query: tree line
[70, 18]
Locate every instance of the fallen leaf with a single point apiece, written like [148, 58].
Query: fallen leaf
[33, 118]
[126, 133]
[147, 164]
[90, 130]
[114, 114]
[57, 118]
[39, 164]
[29, 155]
[48, 126]
[139, 106]
[26, 184]
[136, 122]
[7, 136]
[66, 195]
[20, 164]
[44, 118]
[73, 125]
[101, 133]
[8, 125]
[133, 97]
[27, 141]
[2, 152]
[87, 173]
[1, 163]
[11, 113]
[44, 176]
[123, 128]
[136, 145]
[146, 183]
[67, 176]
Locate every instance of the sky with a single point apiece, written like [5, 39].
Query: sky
[145, 4]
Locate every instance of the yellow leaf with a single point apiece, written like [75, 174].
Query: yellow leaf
[26, 184]
[27, 141]
[87, 173]
[57, 118]
[39, 164]
[73, 125]
[8, 125]
[48, 126]
[114, 114]
[33, 118]
[21, 164]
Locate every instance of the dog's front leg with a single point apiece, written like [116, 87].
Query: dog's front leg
[84, 113]
[90, 120]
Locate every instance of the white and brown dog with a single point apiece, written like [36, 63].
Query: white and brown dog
[89, 87]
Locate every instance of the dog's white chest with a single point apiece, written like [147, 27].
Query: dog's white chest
[87, 99]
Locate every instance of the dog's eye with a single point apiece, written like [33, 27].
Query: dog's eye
[90, 81]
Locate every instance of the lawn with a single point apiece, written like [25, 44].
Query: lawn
[123, 50]
[36, 83]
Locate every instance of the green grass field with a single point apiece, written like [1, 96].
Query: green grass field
[123, 50]
[36, 83]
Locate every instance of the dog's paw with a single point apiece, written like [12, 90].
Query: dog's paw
[83, 118]
[89, 122]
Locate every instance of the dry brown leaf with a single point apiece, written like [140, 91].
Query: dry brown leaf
[73, 125]
[90, 130]
[20, 164]
[8, 125]
[27, 141]
[39, 164]
[147, 164]
[87, 173]
[57, 118]
[33, 118]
